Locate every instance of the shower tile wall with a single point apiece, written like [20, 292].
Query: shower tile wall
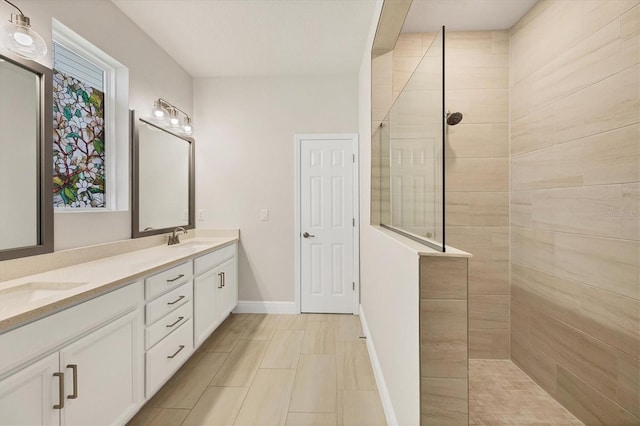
[575, 207]
[477, 184]
[444, 390]
[381, 101]
[477, 179]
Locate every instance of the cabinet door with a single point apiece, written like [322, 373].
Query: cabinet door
[28, 396]
[104, 373]
[205, 314]
[229, 291]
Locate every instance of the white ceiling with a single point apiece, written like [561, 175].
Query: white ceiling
[464, 15]
[257, 37]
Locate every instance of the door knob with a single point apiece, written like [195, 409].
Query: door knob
[308, 235]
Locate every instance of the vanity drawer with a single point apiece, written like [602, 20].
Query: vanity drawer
[163, 281]
[168, 324]
[213, 259]
[167, 356]
[168, 302]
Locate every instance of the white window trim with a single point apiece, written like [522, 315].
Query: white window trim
[116, 85]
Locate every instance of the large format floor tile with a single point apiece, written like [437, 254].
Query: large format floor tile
[267, 402]
[263, 370]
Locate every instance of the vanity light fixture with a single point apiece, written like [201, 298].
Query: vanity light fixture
[163, 110]
[19, 38]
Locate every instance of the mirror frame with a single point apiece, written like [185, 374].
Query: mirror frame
[44, 162]
[135, 158]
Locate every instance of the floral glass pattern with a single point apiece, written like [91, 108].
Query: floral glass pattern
[78, 144]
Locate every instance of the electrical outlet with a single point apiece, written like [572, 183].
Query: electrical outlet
[264, 214]
[201, 214]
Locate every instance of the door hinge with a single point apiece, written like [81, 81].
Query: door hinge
[354, 158]
[353, 286]
[353, 222]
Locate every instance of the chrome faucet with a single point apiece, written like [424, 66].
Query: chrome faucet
[175, 238]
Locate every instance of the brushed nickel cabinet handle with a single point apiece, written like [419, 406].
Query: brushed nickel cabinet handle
[177, 321]
[60, 377]
[176, 301]
[176, 278]
[220, 275]
[224, 279]
[74, 369]
[176, 353]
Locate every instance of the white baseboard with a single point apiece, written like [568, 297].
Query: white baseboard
[253, 307]
[389, 413]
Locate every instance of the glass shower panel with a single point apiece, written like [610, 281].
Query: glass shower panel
[411, 146]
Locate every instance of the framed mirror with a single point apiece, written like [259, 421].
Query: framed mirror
[163, 179]
[26, 169]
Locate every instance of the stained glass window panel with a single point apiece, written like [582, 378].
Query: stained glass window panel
[78, 143]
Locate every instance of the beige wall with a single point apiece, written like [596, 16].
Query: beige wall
[245, 162]
[477, 170]
[575, 208]
[152, 74]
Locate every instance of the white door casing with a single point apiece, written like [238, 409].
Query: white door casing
[327, 211]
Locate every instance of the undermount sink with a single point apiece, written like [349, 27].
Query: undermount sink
[32, 291]
[194, 245]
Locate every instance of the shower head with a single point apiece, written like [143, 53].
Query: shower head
[454, 118]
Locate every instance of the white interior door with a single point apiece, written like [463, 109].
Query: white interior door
[327, 225]
[412, 186]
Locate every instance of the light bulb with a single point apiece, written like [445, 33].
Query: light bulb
[187, 127]
[18, 37]
[22, 38]
[174, 120]
[159, 113]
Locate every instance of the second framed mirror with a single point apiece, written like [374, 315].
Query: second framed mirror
[163, 179]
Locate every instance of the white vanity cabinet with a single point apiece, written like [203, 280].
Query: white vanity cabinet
[169, 325]
[80, 366]
[215, 290]
[97, 362]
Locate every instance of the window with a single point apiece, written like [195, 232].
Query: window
[78, 131]
[90, 90]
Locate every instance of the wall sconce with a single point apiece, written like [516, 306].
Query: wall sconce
[20, 39]
[166, 113]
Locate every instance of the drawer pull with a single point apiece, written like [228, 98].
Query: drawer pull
[220, 276]
[74, 369]
[177, 321]
[60, 377]
[224, 280]
[176, 278]
[176, 301]
[177, 352]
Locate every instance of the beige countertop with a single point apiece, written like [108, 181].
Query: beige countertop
[32, 297]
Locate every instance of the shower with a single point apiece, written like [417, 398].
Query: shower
[454, 118]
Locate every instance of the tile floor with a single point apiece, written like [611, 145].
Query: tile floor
[315, 370]
[273, 370]
[500, 394]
